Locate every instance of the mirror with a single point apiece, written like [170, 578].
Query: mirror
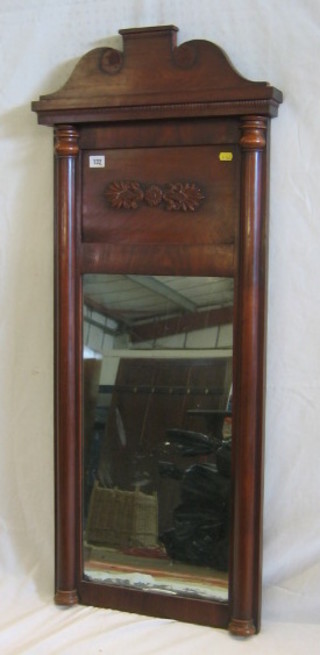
[157, 370]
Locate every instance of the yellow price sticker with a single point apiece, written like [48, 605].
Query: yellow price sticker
[226, 156]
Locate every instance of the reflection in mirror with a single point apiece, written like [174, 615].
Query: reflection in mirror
[157, 371]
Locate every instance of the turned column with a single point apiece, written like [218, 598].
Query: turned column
[248, 381]
[66, 152]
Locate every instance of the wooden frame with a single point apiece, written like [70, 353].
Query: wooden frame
[126, 99]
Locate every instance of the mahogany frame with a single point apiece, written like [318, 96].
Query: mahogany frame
[93, 96]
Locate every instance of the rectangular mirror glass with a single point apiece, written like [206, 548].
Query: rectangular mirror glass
[157, 432]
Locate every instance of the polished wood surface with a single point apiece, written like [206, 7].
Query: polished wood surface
[183, 192]
[171, 195]
[66, 151]
[193, 79]
[249, 380]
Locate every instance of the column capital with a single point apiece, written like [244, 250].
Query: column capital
[66, 141]
[253, 131]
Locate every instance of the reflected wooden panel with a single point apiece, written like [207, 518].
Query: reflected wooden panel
[157, 361]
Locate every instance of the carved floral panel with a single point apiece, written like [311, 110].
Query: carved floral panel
[175, 196]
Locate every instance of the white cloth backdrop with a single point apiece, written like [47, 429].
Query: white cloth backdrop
[40, 42]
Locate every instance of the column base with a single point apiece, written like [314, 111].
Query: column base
[67, 598]
[241, 628]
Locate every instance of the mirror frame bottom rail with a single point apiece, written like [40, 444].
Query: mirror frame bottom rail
[188, 610]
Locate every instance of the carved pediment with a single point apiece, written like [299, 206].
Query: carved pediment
[153, 73]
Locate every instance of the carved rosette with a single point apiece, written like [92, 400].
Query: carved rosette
[183, 197]
[153, 195]
[124, 195]
[185, 55]
[111, 61]
[176, 196]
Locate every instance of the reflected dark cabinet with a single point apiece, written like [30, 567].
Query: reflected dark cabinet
[161, 180]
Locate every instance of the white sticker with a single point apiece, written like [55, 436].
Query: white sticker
[97, 161]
